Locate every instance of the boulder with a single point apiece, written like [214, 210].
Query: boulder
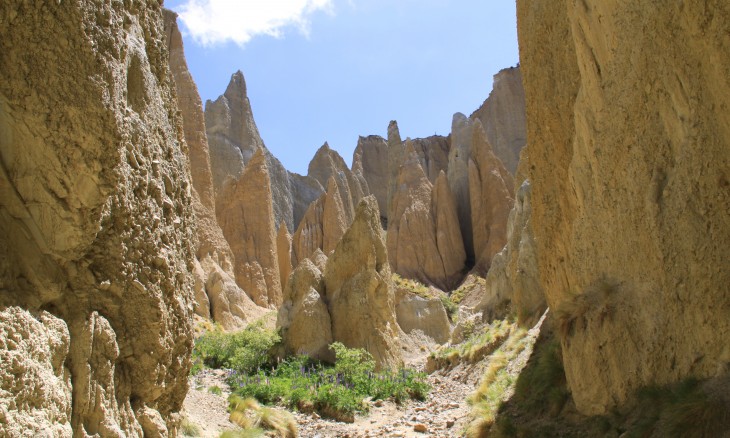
[304, 320]
[427, 315]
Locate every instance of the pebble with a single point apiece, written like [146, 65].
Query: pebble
[450, 424]
[420, 428]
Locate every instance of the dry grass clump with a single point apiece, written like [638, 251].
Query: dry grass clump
[572, 313]
[496, 383]
[188, 428]
[250, 415]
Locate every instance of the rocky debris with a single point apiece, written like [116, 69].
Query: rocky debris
[246, 216]
[284, 253]
[628, 148]
[359, 289]
[492, 197]
[234, 138]
[503, 117]
[370, 161]
[97, 225]
[304, 320]
[424, 241]
[322, 226]
[327, 164]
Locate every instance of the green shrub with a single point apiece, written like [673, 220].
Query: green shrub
[452, 309]
[243, 351]
[336, 392]
[215, 390]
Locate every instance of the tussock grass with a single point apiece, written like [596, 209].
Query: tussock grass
[597, 299]
[188, 428]
[250, 415]
[496, 383]
[477, 346]
[413, 286]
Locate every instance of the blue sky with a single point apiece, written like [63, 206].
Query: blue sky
[331, 70]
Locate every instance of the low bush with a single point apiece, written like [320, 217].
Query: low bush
[336, 392]
[244, 351]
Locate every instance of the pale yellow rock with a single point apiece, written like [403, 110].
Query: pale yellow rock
[492, 198]
[503, 117]
[322, 226]
[427, 315]
[423, 237]
[35, 386]
[370, 160]
[230, 306]
[327, 164]
[359, 289]
[628, 144]
[97, 225]
[319, 259]
[303, 319]
[246, 216]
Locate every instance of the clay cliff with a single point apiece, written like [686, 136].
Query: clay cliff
[246, 216]
[223, 301]
[423, 238]
[503, 117]
[234, 138]
[628, 140]
[351, 302]
[370, 161]
[491, 197]
[97, 231]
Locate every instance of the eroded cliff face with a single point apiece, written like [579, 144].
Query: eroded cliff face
[246, 216]
[503, 117]
[97, 232]
[234, 138]
[629, 143]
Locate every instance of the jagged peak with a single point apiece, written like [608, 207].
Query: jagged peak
[236, 86]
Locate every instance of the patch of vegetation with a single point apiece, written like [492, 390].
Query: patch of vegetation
[477, 346]
[468, 286]
[413, 286]
[452, 309]
[542, 386]
[216, 390]
[242, 433]
[337, 392]
[495, 383]
[244, 351]
[188, 428]
[252, 417]
[572, 312]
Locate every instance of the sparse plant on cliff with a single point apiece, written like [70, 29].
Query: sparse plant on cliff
[572, 311]
[413, 286]
[452, 309]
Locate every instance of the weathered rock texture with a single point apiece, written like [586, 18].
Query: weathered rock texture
[503, 117]
[359, 289]
[246, 216]
[462, 134]
[304, 320]
[322, 226]
[213, 252]
[513, 278]
[427, 315]
[284, 254]
[327, 164]
[97, 233]
[353, 302]
[424, 240]
[234, 138]
[629, 144]
[492, 197]
[370, 160]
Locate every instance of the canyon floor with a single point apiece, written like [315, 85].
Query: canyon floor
[443, 414]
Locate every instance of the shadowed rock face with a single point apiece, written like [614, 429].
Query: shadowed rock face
[503, 117]
[492, 198]
[370, 160]
[97, 232]
[628, 143]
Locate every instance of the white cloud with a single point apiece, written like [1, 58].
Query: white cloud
[217, 21]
